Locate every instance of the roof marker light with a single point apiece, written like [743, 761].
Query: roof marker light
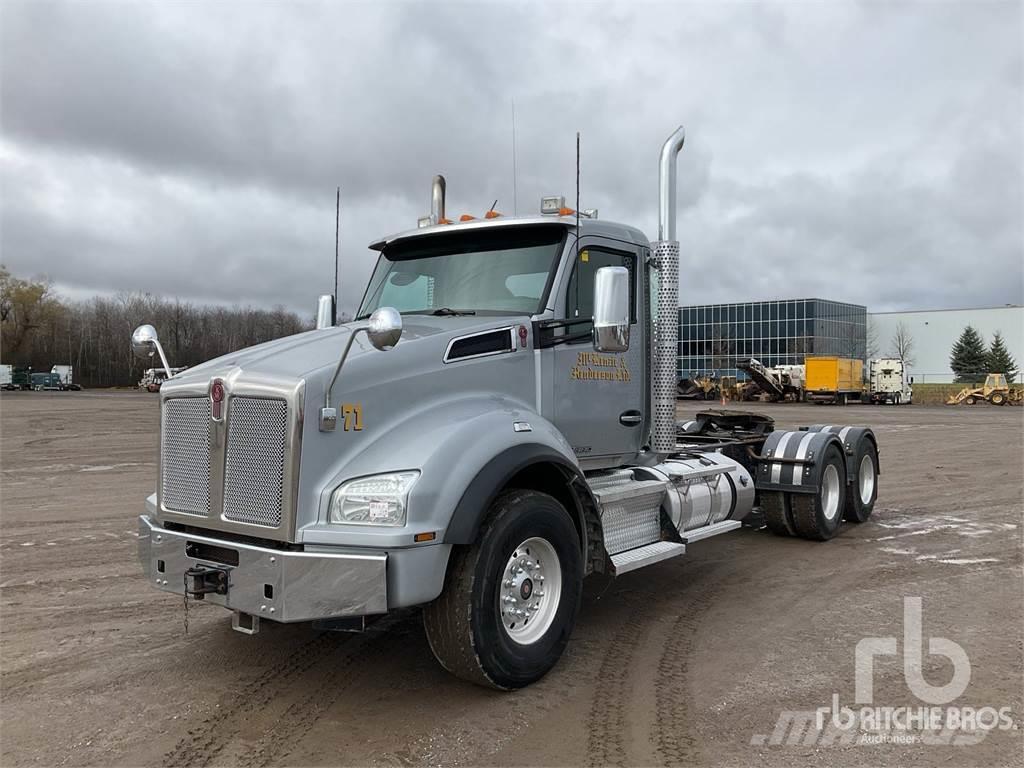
[466, 217]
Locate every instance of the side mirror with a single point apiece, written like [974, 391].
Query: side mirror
[145, 344]
[611, 309]
[144, 341]
[384, 328]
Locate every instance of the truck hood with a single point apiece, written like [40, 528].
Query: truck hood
[304, 354]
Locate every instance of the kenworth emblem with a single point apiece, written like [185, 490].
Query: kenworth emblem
[216, 399]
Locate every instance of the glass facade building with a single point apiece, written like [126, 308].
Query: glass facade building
[714, 337]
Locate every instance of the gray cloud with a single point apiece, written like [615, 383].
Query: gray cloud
[863, 152]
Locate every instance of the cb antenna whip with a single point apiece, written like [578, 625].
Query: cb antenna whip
[337, 227]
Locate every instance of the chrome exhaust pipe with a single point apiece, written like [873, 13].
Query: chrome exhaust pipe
[437, 200]
[666, 259]
[667, 184]
[325, 312]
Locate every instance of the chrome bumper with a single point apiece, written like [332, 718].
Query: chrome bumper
[302, 586]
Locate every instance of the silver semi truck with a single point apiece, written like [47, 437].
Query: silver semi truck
[497, 423]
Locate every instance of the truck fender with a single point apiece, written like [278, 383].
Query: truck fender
[802, 476]
[850, 437]
[495, 475]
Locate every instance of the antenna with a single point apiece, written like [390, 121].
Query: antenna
[337, 227]
[577, 195]
[515, 195]
[576, 264]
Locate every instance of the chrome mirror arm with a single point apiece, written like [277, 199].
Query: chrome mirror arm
[341, 362]
[163, 357]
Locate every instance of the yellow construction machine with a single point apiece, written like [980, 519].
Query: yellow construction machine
[995, 390]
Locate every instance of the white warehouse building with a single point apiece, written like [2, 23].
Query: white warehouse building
[934, 332]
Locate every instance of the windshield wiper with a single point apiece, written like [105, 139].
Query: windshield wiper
[447, 311]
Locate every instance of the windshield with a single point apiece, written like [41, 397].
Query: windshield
[505, 270]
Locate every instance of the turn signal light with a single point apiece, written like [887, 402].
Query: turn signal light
[425, 536]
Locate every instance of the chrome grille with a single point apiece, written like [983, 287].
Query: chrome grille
[185, 455]
[254, 467]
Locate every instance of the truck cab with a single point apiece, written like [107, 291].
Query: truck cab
[889, 382]
[496, 423]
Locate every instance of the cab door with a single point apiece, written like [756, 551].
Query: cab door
[600, 401]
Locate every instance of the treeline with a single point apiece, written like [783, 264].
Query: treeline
[39, 329]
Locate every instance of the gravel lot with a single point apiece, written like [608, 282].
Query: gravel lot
[689, 662]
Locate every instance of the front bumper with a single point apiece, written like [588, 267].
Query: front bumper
[273, 584]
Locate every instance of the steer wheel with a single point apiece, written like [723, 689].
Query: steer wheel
[510, 599]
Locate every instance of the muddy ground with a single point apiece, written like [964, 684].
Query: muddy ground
[689, 662]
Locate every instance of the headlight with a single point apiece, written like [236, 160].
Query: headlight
[375, 500]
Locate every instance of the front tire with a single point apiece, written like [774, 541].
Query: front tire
[525, 567]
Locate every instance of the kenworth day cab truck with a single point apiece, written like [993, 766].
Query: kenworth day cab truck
[497, 423]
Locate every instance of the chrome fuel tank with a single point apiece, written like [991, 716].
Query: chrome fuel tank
[703, 489]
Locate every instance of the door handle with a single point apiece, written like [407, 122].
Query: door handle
[630, 418]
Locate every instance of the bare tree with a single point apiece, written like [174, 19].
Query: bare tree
[901, 345]
[871, 338]
[722, 348]
[39, 330]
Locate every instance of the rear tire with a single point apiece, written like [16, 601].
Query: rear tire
[778, 513]
[863, 491]
[527, 544]
[818, 515]
[998, 398]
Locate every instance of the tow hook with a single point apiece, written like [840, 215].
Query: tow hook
[201, 580]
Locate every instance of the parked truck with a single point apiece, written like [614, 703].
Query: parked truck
[834, 379]
[496, 423]
[66, 374]
[6, 376]
[46, 381]
[16, 378]
[889, 382]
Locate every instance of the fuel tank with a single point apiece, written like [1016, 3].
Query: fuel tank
[703, 488]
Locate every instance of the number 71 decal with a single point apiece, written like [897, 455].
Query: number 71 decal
[352, 417]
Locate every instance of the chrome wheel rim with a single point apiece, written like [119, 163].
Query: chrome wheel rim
[830, 492]
[867, 479]
[530, 591]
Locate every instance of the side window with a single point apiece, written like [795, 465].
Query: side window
[579, 300]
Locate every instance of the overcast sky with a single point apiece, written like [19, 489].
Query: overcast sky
[871, 153]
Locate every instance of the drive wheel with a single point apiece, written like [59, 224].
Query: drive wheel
[818, 515]
[778, 513]
[861, 494]
[998, 398]
[510, 599]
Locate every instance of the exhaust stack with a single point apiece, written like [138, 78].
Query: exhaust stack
[437, 200]
[666, 260]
